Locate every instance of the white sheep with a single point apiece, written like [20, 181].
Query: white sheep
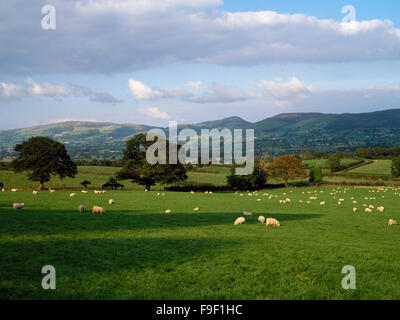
[355, 210]
[18, 206]
[35, 193]
[14, 190]
[72, 195]
[380, 209]
[273, 222]
[98, 210]
[368, 210]
[322, 203]
[168, 211]
[245, 213]
[111, 201]
[84, 191]
[261, 219]
[240, 220]
[2, 190]
[392, 222]
[52, 190]
[196, 209]
[81, 208]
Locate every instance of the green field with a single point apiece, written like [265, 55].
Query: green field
[377, 167]
[136, 251]
[99, 175]
[321, 163]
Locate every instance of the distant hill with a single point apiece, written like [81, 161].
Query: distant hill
[284, 133]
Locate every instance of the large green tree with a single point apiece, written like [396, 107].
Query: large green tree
[333, 162]
[256, 180]
[42, 157]
[316, 175]
[139, 170]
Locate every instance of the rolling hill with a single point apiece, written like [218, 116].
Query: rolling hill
[284, 133]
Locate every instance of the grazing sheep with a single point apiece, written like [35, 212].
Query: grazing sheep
[196, 209]
[368, 210]
[84, 191]
[191, 192]
[240, 220]
[72, 195]
[380, 209]
[322, 203]
[261, 219]
[14, 190]
[168, 211]
[355, 209]
[18, 206]
[111, 201]
[245, 213]
[371, 207]
[81, 208]
[273, 222]
[35, 193]
[52, 191]
[2, 190]
[98, 210]
[392, 222]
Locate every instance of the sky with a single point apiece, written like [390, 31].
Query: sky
[153, 61]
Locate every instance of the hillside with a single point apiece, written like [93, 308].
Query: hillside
[284, 133]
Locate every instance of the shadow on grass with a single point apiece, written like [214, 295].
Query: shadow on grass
[64, 221]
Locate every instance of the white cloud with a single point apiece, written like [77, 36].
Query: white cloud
[287, 92]
[9, 90]
[155, 113]
[143, 92]
[124, 35]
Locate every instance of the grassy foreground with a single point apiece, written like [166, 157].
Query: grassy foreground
[136, 251]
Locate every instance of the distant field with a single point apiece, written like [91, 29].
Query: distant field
[321, 163]
[377, 167]
[99, 175]
[136, 251]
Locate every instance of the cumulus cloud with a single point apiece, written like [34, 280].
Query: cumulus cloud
[103, 36]
[287, 92]
[192, 91]
[9, 90]
[155, 113]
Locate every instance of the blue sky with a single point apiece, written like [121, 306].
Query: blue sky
[151, 61]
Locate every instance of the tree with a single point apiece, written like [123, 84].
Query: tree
[137, 168]
[316, 175]
[256, 180]
[396, 167]
[42, 157]
[320, 154]
[287, 168]
[112, 184]
[1, 185]
[333, 162]
[85, 183]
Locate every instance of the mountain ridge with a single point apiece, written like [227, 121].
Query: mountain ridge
[282, 133]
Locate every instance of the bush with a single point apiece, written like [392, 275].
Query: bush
[315, 175]
[197, 187]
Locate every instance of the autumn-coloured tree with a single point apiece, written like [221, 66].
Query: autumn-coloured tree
[287, 168]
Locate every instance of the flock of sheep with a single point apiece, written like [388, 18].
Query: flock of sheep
[310, 196]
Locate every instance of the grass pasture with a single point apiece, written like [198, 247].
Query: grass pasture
[377, 167]
[136, 251]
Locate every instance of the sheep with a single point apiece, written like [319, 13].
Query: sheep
[371, 207]
[81, 208]
[196, 209]
[240, 220]
[72, 195]
[380, 209]
[191, 192]
[84, 191]
[52, 191]
[261, 219]
[98, 210]
[111, 201]
[18, 206]
[2, 190]
[392, 222]
[368, 210]
[245, 213]
[322, 203]
[14, 190]
[273, 222]
[355, 210]
[35, 193]
[168, 211]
